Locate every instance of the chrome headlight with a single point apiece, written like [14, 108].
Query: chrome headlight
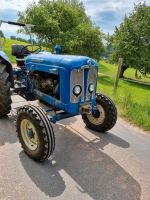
[77, 90]
[91, 87]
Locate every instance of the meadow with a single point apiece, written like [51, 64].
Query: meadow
[132, 99]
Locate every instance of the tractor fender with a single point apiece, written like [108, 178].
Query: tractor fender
[4, 59]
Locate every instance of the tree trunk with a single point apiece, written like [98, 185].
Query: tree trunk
[123, 69]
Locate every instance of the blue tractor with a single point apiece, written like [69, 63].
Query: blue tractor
[65, 84]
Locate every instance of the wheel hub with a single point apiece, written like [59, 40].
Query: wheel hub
[29, 134]
[96, 113]
[98, 116]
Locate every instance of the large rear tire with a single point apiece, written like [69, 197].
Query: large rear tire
[105, 117]
[5, 93]
[35, 133]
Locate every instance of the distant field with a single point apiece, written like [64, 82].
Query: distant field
[132, 99]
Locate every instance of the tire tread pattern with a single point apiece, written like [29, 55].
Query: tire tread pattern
[110, 112]
[46, 131]
[5, 93]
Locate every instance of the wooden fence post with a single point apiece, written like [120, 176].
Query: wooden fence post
[120, 63]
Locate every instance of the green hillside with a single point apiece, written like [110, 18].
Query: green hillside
[7, 47]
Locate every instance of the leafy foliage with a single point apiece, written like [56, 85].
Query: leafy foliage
[2, 34]
[108, 47]
[132, 39]
[64, 22]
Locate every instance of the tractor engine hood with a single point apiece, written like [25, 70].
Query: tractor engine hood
[64, 61]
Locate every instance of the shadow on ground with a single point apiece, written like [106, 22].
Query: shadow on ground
[103, 138]
[107, 138]
[95, 172]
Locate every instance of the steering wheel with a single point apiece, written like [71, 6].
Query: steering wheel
[26, 51]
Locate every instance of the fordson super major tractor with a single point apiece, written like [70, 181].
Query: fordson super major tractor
[66, 84]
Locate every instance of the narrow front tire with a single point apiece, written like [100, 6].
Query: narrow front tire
[106, 115]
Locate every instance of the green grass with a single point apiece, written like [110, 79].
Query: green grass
[130, 73]
[132, 99]
[7, 48]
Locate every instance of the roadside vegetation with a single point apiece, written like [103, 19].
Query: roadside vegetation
[132, 99]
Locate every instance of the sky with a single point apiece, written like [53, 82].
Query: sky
[105, 13]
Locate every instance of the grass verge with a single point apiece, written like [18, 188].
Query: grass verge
[132, 99]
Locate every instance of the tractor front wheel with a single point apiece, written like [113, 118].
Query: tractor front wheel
[35, 133]
[104, 117]
[5, 94]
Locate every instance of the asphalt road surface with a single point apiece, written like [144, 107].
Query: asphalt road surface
[85, 165]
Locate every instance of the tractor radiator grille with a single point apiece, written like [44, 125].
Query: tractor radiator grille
[77, 78]
[92, 78]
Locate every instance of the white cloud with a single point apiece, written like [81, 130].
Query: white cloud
[9, 28]
[18, 5]
[8, 12]
[95, 7]
[115, 10]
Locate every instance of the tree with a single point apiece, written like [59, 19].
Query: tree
[108, 47]
[2, 34]
[131, 40]
[13, 37]
[64, 22]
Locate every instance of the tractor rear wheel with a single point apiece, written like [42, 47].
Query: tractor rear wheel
[5, 93]
[35, 133]
[104, 118]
